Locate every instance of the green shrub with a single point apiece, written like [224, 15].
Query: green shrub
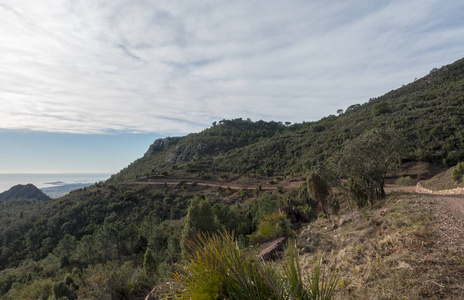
[39, 289]
[318, 189]
[357, 192]
[204, 175]
[200, 218]
[405, 181]
[335, 205]
[150, 265]
[458, 172]
[272, 226]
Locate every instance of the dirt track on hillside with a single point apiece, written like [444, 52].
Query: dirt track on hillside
[447, 211]
[294, 184]
[448, 214]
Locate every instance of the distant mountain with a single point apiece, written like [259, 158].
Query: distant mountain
[28, 191]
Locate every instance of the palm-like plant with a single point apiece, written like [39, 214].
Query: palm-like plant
[301, 285]
[218, 269]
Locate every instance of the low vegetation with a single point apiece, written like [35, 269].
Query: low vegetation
[217, 269]
[405, 181]
[121, 238]
[458, 172]
[391, 251]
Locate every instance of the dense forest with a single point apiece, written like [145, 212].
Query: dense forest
[120, 238]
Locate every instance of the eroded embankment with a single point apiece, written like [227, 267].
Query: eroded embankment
[422, 190]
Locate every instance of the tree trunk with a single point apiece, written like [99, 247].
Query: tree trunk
[324, 210]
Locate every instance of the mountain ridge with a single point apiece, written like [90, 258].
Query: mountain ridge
[426, 113]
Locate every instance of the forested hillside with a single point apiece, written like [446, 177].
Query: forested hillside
[120, 238]
[428, 114]
[195, 152]
[67, 246]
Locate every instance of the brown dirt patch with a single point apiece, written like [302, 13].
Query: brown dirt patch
[448, 213]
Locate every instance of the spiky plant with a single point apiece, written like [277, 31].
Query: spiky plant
[218, 269]
[272, 226]
[301, 285]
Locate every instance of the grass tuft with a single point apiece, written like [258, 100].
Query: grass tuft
[217, 269]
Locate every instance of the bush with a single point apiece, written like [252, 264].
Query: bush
[318, 189]
[272, 226]
[335, 205]
[217, 269]
[458, 172]
[405, 181]
[200, 218]
[381, 108]
[357, 193]
[39, 289]
[204, 175]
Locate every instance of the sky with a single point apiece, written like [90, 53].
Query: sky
[86, 86]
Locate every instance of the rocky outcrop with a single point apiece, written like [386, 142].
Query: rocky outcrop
[182, 152]
[189, 152]
[161, 144]
[27, 191]
[269, 250]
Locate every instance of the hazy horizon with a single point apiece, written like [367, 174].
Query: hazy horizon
[44, 180]
[57, 173]
[89, 85]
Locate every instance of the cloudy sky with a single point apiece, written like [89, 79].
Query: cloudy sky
[86, 85]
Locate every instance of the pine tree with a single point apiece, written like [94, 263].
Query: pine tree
[150, 265]
[200, 219]
[458, 172]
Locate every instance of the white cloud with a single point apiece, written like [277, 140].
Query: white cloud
[174, 67]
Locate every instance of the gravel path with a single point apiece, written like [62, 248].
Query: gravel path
[448, 214]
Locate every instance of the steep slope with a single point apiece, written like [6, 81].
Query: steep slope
[196, 151]
[427, 114]
[28, 191]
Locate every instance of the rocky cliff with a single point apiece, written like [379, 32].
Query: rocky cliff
[161, 144]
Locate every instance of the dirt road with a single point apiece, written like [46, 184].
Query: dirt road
[448, 214]
[293, 184]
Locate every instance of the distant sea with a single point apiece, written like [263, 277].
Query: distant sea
[54, 185]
